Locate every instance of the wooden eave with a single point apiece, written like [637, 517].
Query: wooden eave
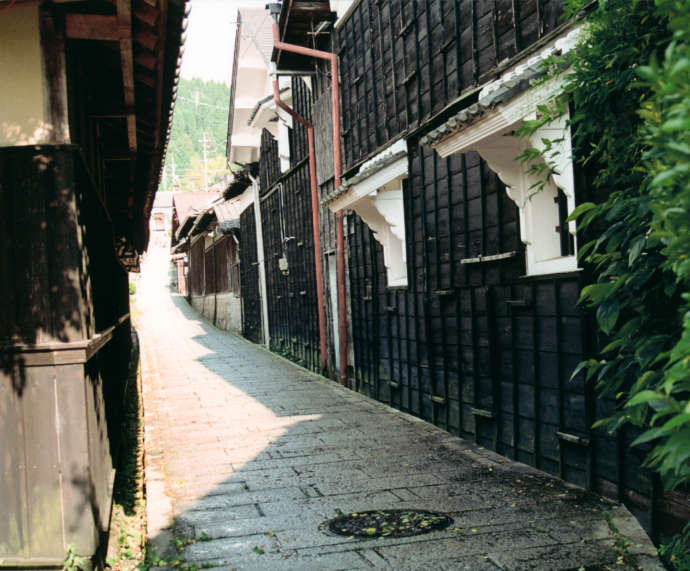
[297, 22]
[139, 45]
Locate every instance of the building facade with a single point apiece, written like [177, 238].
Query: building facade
[460, 281]
[88, 91]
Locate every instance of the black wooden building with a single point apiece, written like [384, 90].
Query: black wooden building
[288, 247]
[462, 286]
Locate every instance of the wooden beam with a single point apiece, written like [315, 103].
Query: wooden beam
[145, 38]
[132, 132]
[119, 155]
[309, 8]
[113, 112]
[124, 19]
[284, 30]
[145, 77]
[143, 12]
[159, 83]
[146, 59]
[146, 14]
[91, 27]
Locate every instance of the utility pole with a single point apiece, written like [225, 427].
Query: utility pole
[203, 142]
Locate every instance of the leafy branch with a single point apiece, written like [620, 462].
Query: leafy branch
[628, 82]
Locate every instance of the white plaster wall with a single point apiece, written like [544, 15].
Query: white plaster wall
[22, 114]
[228, 310]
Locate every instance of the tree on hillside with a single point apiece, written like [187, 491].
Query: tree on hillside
[199, 123]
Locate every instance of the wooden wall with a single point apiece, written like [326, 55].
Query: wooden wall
[287, 233]
[249, 277]
[477, 348]
[402, 61]
[64, 348]
[197, 283]
[474, 347]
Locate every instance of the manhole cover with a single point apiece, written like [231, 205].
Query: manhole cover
[387, 523]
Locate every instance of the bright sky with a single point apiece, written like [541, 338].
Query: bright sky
[211, 38]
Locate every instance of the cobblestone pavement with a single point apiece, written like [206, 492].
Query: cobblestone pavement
[246, 454]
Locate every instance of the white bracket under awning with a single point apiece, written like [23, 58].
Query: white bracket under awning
[376, 195]
[488, 127]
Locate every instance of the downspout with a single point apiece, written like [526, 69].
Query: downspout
[215, 279]
[337, 171]
[260, 260]
[314, 219]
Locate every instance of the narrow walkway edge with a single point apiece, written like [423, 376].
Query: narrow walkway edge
[247, 454]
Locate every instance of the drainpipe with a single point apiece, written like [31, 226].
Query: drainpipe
[314, 219]
[215, 279]
[337, 169]
[260, 260]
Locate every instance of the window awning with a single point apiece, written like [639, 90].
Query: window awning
[376, 195]
[488, 127]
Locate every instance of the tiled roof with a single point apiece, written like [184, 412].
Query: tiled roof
[187, 202]
[505, 88]
[260, 102]
[231, 209]
[467, 116]
[367, 170]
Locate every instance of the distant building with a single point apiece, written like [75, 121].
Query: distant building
[160, 223]
[206, 248]
[185, 207]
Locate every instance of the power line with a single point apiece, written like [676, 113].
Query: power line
[197, 103]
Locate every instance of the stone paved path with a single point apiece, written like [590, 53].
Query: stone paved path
[246, 454]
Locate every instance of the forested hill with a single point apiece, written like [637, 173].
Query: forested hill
[201, 110]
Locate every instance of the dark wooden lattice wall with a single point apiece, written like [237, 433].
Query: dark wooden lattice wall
[475, 348]
[287, 233]
[401, 61]
[249, 277]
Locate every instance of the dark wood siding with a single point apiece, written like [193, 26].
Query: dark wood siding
[478, 348]
[403, 61]
[269, 165]
[60, 405]
[249, 276]
[209, 267]
[287, 233]
[196, 267]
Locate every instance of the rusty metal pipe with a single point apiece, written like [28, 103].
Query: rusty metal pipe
[314, 219]
[337, 170]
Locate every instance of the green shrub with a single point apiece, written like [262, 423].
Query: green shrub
[629, 85]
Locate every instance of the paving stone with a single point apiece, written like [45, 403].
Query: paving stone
[249, 450]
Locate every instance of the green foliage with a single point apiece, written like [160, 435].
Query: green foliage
[201, 109]
[631, 136]
[73, 562]
[675, 551]
[666, 116]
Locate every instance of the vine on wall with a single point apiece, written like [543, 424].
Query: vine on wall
[628, 84]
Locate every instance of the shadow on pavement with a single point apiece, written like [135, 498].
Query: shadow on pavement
[256, 453]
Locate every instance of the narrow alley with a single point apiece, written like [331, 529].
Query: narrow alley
[247, 454]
